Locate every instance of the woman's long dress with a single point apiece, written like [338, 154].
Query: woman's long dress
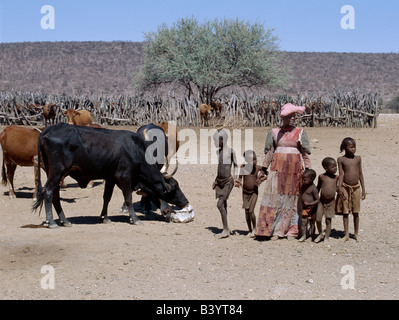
[288, 153]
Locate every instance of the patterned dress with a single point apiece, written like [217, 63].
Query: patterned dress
[287, 151]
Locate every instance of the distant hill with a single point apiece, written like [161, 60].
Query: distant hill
[106, 67]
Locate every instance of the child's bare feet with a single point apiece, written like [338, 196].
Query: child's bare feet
[223, 234]
[318, 239]
[326, 240]
[346, 238]
[302, 239]
[356, 237]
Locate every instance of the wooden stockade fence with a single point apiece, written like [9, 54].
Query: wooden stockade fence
[340, 109]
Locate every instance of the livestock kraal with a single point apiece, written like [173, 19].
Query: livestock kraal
[340, 109]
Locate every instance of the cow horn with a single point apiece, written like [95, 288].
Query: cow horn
[163, 169]
[146, 138]
[168, 176]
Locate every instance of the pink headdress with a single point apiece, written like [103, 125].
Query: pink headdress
[289, 108]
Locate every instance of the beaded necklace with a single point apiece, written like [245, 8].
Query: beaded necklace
[287, 130]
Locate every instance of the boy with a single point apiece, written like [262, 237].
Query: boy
[350, 180]
[251, 176]
[307, 202]
[224, 181]
[327, 186]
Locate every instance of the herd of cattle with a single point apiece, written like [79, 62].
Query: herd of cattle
[86, 152]
[50, 110]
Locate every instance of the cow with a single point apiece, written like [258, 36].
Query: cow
[217, 107]
[19, 146]
[168, 132]
[85, 154]
[164, 138]
[205, 112]
[79, 117]
[49, 113]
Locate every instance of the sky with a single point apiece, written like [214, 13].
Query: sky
[300, 25]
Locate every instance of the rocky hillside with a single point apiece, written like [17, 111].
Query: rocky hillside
[106, 67]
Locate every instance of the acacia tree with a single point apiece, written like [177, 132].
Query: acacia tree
[206, 58]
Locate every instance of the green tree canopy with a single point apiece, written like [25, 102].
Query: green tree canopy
[205, 58]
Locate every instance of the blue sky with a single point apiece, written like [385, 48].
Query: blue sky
[307, 25]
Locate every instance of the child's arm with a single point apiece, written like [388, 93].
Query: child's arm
[316, 198]
[361, 178]
[340, 179]
[261, 175]
[237, 182]
[319, 183]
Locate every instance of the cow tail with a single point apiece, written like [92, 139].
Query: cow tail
[40, 196]
[4, 174]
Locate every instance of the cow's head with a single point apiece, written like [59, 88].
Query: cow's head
[173, 193]
[162, 186]
[70, 114]
[169, 191]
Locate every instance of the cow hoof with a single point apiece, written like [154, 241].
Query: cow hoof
[67, 224]
[124, 209]
[53, 225]
[105, 220]
[136, 223]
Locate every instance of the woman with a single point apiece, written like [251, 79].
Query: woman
[287, 149]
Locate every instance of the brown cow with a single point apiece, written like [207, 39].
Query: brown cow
[19, 146]
[205, 112]
[79, 117]
[217, 108]
[49, 113]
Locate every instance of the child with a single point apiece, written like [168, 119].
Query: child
[251, 175]
[349, 182]
[224, 181]
[307, 202]
[327, 185]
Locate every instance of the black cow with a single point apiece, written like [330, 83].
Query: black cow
[159, 152]
[159, 148]
[85, 154]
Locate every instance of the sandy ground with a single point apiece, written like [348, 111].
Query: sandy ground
[160, 260]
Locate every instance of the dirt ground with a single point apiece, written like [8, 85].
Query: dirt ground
[160, 260]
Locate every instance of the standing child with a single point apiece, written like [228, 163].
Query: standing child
[251, 175]
[327, 185]
[349, 182]
[224, 181]
[307, 202]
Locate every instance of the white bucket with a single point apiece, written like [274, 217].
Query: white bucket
[184, 215]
